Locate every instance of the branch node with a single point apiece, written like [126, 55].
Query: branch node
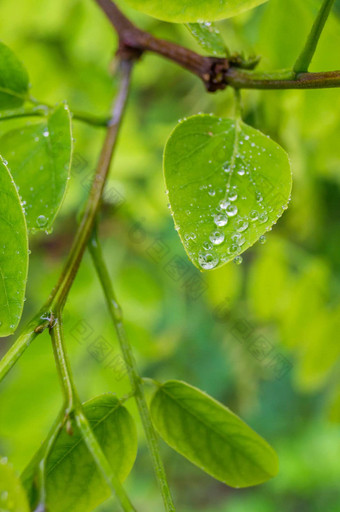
[216, 79]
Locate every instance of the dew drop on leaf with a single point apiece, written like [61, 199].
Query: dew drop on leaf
[216, 237]
[253, 215]
[41, 221]
[231, 210]
[224, 204]
[221, 220]
[208, 260]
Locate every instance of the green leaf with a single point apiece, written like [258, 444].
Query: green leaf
[14, 80]
[209, 38]
[191, 11]
[39, 158]
[73, 481]
[13, 253]
[227, 184]
[12, 495]
[211, 436]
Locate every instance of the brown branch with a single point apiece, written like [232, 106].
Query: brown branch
[209, 69]
[60, 292]
[215, 73]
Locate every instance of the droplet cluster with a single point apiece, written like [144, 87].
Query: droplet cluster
[230, 218]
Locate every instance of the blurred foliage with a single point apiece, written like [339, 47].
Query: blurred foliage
[262, 337]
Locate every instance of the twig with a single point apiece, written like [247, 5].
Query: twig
[218, 73]
[21, 344]
[131, 38]
[60, 292]
[305, 58]
[243, 79]
[73, 409]
[135, 379]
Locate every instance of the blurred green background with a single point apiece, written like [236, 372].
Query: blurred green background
[263, 337]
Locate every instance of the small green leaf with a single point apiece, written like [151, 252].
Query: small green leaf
[191, 11]
[39, 158]
[73, 481]
[13, 253]
[211, 436]
[12, 495]
[227, 184]
[209, 38]
[14, 80]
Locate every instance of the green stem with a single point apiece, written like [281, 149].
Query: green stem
[42, 109]
[238, 104]
[244, 79]
[39, 111]
[306, 56]
[73, 408]
[90, 118]
[135, 379]
[76, 114]
[21, 344]
[71, 399]
[45, 451]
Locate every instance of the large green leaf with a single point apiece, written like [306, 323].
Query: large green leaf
[227, 184]
[183, 11]
[211, 436]
[13, 79]
[13, 253]
[209, 38]
[12, 495]
[73, 481]
[39, 158]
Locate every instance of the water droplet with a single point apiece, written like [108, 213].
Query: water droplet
[221, 220]
[253, 215]
[233, 248]
[208, 260]
[238, 239]
[211, 193]
[217, 237]
[232, 196]
[238, 260]
[263, 217]
[224, 204]
[262, 239]
[46, 133]
[231, 210]
[41, 221]
[190, 236]
[207, 246]
[242, 225]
